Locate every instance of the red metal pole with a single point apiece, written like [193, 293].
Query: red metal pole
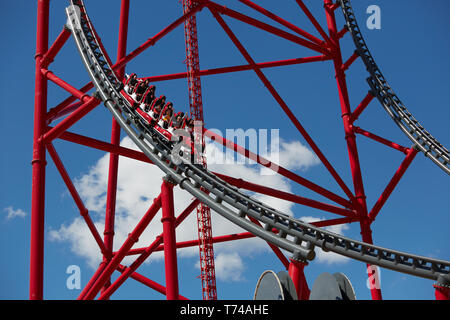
[350, 135]
[170, 244]
[104, 146]
[92, 281]
[145, 253]
[65, 124]
[39, 161]
[360, 108]
[56, 46]
[392, 184]
[350, 60]
[76, 197]
[83, 97]
[441, 293]
[298, 277]
[127, 245]
[115, 141]
[148, 282]
[381, 140]
[65, 107]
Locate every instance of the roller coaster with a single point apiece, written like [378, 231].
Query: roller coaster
[223, 194]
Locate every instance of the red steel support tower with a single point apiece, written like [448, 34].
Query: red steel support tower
[208, 276]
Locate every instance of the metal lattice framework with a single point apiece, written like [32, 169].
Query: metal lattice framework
[223, 194]
[207, 268]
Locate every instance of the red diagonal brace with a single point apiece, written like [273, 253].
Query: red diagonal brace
[283, 105]
[129, 242]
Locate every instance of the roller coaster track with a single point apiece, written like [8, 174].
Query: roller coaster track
[391, 102]
[293, 235]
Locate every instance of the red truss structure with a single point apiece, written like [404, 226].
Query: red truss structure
[205, 237]
[349, 209]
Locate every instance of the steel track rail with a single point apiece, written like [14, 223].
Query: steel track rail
[380, 88]
[293, 235]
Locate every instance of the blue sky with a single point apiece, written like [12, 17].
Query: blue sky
[411, 48]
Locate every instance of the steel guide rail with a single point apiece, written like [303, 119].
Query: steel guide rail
[390, 101]
[293, 235]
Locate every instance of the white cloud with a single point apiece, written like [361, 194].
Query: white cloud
[12, 213]
[139, 183]
[229, 267]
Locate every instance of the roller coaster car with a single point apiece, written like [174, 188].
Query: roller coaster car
[173, 131]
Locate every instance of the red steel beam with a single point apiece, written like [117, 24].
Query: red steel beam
[170, 248]
[350, 137]
[283, 105]
[104, 146]
[240, 183]
[214, 7]
[148, 282]
[74, 117]
[83, 97]
[151, 41]
[278, 169]
[91, 282]
[381, 140]
[66, 106]
[113, 171]
[76, 197]
[126, 246]
[283, 22]
[214, 71]
[145, 253]
[441, 292]
[296, 272]
[314, 22]
[56, 47]
[361, 107]
[36, 288]
[392, 183]
[350, 61]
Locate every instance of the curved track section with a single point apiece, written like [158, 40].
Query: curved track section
[391, 102]
[293, 235]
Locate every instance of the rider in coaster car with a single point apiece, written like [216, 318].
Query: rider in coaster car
[156, 112]
[190, 124]
[149, 96]
[132, 82]
[161, 101]
[167, 114]
[178, 120]
[141, 88]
